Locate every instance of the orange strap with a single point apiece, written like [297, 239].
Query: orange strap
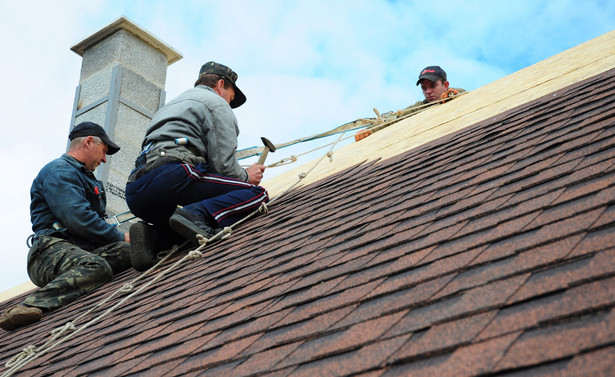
[362, 134]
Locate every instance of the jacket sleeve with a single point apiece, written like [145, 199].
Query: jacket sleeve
[67, 195]
[222, 144]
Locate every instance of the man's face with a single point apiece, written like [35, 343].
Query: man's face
[96, 154]
[227, 94]
[432, 90]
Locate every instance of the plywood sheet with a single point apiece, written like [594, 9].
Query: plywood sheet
[564, 69]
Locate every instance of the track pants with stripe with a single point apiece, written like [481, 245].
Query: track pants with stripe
[154, 196]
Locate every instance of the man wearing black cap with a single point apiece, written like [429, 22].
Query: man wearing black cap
[74, 249]
[434, 85]
[188, 159]
[435, 88]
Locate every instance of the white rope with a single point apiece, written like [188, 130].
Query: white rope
[25, 353]
[194, 254]
[127, 288]
[376, 125]
[263, 208]
[31, 353]
[302, 175]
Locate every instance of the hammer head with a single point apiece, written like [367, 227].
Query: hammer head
[268, 144]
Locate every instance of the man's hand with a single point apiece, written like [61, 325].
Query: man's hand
[447, 94]
[255, 174]
[362, 134]
[127, 237]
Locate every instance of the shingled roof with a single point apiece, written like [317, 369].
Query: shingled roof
[490, 250]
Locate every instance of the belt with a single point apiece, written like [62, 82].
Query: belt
[157, 157]
[149, 166]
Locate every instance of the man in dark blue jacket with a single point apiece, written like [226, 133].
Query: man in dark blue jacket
[74, 249]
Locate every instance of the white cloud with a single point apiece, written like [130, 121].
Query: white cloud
[305, 66]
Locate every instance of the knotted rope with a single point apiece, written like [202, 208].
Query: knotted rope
[58, 336]
[31, 352]
[380, 122]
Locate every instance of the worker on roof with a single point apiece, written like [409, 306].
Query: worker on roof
[435, 87]
[74, 249]
[188, 159]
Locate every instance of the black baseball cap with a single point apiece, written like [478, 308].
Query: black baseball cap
[432, 73]
[92, 129]
[230, 75]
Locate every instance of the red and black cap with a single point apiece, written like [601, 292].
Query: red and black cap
[432, 73]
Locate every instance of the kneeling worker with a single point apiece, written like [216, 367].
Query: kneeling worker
[74, 249]
[188, 159]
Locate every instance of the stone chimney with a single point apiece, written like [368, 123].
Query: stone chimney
[121, 86]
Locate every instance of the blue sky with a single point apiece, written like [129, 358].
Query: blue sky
[305, 66]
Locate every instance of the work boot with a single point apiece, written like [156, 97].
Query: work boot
[143, 246]
[188, 225]
[19, 316]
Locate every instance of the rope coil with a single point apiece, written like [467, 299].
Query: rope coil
[25, 353]
[263, 208]
[226, 232]
[68, 326]
[202, 239]
[127, 288]
[194, 254]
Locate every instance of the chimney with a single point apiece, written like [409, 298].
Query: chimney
[121, 86]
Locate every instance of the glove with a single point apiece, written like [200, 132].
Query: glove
[448, 94]
[362, 134]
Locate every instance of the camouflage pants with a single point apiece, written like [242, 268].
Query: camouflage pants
[65, 271]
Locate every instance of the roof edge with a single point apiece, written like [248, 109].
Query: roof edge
[547, 76]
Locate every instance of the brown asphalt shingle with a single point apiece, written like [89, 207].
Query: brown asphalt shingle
[487, 251]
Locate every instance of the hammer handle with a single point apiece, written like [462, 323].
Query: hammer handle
[263, 156]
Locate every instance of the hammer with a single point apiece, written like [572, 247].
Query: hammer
[268, 147]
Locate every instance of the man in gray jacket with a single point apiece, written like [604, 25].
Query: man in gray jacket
[188, 159]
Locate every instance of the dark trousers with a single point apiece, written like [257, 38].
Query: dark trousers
[155, 196]
[65, 271]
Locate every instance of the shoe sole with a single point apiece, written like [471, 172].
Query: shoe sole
[187, 229]
[141, 256]
[20, 320]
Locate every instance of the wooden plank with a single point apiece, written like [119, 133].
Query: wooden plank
[16, 291]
